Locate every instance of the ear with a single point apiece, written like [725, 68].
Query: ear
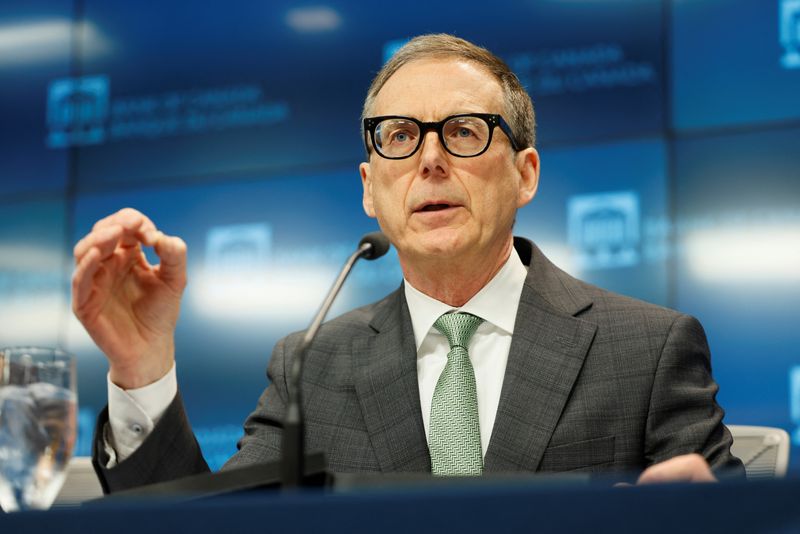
[528, 165]
[366, 182]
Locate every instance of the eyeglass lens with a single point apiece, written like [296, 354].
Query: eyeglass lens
[463, 136]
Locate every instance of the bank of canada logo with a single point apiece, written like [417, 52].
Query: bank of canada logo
[790, 33]
[239, 248]
[603, 229]
[77, 110]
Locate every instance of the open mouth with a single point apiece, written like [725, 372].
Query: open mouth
[435, 207]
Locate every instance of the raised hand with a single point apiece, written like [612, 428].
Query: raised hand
[129, 307]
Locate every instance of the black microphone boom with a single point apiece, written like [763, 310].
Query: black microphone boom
[371, 246]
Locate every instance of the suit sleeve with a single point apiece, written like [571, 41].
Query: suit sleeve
[169, 452]
[263, 427]
[683, 415]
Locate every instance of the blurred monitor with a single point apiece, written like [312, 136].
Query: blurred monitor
[35, 48]
[735, 62]
[738, 266]
[601, 213]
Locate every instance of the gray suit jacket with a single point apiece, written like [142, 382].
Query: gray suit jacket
[594, 382]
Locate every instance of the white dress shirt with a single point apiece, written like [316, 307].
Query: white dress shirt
[134, 413]
[497, 305]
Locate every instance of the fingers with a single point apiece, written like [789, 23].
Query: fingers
[128, 218]
[83, 279]
[126, 229]
[685, 468]
[98, 270]
[104, 243]
[134, 228]
[172, 252]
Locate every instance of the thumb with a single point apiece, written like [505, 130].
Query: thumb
[172, 253]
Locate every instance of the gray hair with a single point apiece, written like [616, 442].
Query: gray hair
[518, 106]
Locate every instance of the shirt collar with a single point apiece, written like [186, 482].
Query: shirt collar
[496, 302]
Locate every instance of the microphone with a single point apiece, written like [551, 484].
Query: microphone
[372, 246]
[379, 245]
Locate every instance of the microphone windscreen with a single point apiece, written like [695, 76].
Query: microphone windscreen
[380, 245]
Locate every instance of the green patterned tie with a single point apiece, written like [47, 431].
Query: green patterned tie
[455, 434]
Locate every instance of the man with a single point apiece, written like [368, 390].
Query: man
[536, 371]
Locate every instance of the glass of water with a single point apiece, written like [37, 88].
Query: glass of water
[38, 407]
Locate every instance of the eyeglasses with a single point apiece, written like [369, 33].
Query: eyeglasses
[466, 135]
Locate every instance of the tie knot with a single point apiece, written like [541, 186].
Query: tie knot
[458, 328]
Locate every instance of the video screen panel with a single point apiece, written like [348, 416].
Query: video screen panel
[725, 76]
[32, 272]
[187, 95]
[738, 267]
[594, 69]
[35, 49]
[262, 255]
[601, 214]
[193, 93]
[34, 288]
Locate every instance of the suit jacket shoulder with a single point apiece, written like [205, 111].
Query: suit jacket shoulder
[624, 383]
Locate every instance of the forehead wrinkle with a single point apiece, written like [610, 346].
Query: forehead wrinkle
[467, 88]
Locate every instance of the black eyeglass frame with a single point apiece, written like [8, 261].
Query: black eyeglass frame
[491, 119]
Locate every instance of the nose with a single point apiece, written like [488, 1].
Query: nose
[433, 157]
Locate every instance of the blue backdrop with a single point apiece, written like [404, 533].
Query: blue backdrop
[668, 129]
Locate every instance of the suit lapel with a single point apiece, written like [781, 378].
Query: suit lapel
[388, 391]
[547, 352]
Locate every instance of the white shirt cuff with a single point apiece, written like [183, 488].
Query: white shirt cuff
[133, 413]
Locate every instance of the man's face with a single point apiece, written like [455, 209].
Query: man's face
[436, 204]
